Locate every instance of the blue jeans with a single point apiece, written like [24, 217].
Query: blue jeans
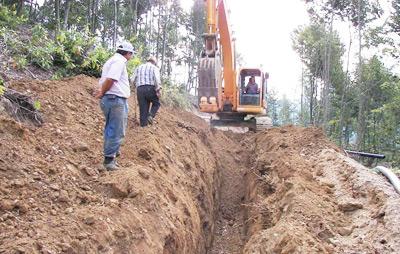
[115, 110]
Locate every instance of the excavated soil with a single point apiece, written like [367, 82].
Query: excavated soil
[305, 196]
[182, 187]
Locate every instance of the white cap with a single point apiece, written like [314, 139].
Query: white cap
[126, 46]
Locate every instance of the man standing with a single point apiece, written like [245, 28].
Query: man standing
[113, 91]
[148, 83]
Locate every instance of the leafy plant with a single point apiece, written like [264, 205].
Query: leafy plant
[37, 105]
[2, 88]
[20, 62]
[9, 18]
[175, 96]
[41, 48]
[93, 63]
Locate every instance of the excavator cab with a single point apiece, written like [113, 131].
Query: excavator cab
[251, 91]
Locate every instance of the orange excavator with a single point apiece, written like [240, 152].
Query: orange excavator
[222, 90]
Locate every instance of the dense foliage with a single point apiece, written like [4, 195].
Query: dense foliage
[358, 106]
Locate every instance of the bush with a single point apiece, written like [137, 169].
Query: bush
[41, 48]
[72, 49]
[9, 18]
[94, 61]
[175, 96]
[20, 62]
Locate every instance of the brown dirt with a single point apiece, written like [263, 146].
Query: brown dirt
[56, 198]
[183, 187]
[305, 196]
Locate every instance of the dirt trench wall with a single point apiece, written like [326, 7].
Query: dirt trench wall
[55, 198]
[304, 196]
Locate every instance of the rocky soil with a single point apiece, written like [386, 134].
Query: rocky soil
[182, 187]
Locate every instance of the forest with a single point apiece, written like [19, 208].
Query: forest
[351, 93]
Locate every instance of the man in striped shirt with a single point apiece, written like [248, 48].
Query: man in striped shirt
[148, 84]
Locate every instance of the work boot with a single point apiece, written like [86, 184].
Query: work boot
[150, 120]
[110, 163]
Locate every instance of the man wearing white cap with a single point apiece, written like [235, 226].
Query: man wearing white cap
[148, 84]
[113, 91]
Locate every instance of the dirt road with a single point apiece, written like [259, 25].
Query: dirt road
[183, 187]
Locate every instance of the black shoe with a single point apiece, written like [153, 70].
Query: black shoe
[110, 163]
[150, 120]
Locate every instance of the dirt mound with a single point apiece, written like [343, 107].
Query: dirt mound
[56, 198]
[183, 187]
[304, 196]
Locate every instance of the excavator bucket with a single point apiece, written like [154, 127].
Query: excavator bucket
[207, 79]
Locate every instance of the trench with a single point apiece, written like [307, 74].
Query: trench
[229, 236]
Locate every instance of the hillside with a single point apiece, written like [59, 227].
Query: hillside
[183, 187]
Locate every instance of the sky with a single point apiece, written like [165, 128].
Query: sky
[263, 29]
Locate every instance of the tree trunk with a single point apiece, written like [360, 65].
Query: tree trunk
[20, 7]
[361, 113]
[115, 23]
[66, 14]
[94, 17]
[158, 30]
[343, 108]
[327, 79]
[57, 14]
[312, 83]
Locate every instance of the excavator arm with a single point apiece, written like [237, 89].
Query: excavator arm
[217, 74]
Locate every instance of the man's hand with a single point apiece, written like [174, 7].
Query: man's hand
[158, 92]
[98, 93]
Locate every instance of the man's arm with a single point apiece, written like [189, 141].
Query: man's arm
[107, 84]
[157, 79]
[134, 78]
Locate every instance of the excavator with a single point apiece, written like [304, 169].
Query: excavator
[222, 89]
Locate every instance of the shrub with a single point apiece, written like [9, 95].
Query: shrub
[9, 18]
[94, 61]
[41, 48]
[175, 96]
[20, 62]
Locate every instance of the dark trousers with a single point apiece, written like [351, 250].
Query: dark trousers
[145, 96]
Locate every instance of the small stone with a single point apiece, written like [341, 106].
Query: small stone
[81, 236]
[350, 206]
[80, 147]
[6, 205]
[53, 212]
[133, 194]
[18, 183]
[144, 154]
[69, 210]
[63, 197]
[144, 174]
[114, 201]
[55, 187]
[90, 171]
[120, 233]
[89, 220]
[21, 206]
[345, 231]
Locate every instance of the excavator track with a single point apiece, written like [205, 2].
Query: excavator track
[263, 123]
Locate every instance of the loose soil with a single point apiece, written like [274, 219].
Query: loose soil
[182, 187]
